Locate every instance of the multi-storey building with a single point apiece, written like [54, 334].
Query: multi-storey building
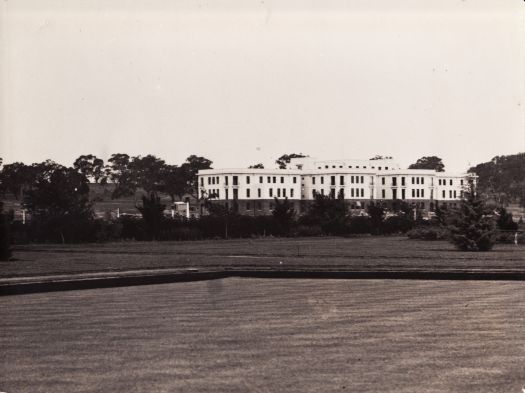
[359, 182]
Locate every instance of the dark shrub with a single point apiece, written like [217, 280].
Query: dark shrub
[308, 230]
[397, 224]
[5, 236]
[427, 233]
[360, 225]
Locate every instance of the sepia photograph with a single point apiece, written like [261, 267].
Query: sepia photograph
[262, 196]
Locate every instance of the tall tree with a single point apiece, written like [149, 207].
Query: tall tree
[92, 167]
[17, 177]
[191, 168]
[430, 162]
[59, 203]
[152, 211]
[147, 172]
[286, 158]
[173, 181]
[283, 213]
[121, 174]
[473, 225]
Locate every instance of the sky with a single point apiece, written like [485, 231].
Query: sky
[243, 82]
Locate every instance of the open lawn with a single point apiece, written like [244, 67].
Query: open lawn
[260, 335]
[372, 253]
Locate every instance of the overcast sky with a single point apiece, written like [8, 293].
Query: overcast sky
[242, 82]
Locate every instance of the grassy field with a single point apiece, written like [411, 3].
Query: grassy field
[250, 335]
[269, 253]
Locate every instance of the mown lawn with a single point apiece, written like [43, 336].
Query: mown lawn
[295, 253]
[261, 335]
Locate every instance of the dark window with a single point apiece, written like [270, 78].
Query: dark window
[313, 180]
[274, 179]
[278, 193]
[362, 180]
[450, 181]
[227, 197]
[352, 192]
[282, 179]
[260, 179]
[202, 182]
[332, 180]
[248, 193]
[269, 179]
[294, 180]
[259, 192]
[403, 193]
[291, 192]
[394, 182]
[422, 180]
[235, 180]
[341, 180]
[209, 180]
[352, 179]
[235, 193]
[402, 181]
[383, 194]
[247, 179]
[383, 181]
[284, 192]
[332, 193]
[270, 192]
[322, 180]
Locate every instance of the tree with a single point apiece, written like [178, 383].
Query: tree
[286, 158]
[15, 178]
[59, 203]
[91, 167]
[5, 249]
[173, 181]
[152, 211]
[121, 173]
[256, 166]
[376, 212]
[147, 172]
[431, 162]
[505, 221]
[472, 226]
[379, 157]
[191, 168]
[283, 213]
[328, 212]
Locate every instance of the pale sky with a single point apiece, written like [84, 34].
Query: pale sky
[242, 82]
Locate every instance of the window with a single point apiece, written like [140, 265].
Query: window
[417, 192]
[284, 192]
[342, 192]
[379, 167]
[413, 193]
[332, 180]
[341, 180]
[247, 193]
[278, 193]
[326, 166]
[260, 179]
[291, 192]
[226, 191]
[269, 179]
[383, 180]
[217, 178]
[274, 179]
[439, 181]
[247, 179]
[235, 193]
[218, 194]
[394, 181]
[461, 181]
[322, 191]
[235, 180]
[313, 193]
[444, 194]
[450, 194]
[313, 180]
[352, 192]
[332, 193]
[403, 193]
[209, 180]
[417, 180]
[386, 168]
[202, 182]
[455, 195]
[282, 179]
[294, 180]
[213, 180]
[362, 192]
[362, 179]
[352, 179]
[450, 181]
[322, 180]
[270, 192]
[357, 166]
[226, 181]
[422, 193]
[258, 192]
[383, 193]
[422, 180]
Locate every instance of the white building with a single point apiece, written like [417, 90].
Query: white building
[359, 182]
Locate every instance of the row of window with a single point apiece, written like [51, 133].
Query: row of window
[279, 192]
[350, 167]
[452, 194]
[443, 182]
[353, 180]
[354, 193]
[235, 180]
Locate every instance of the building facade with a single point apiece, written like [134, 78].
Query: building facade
[359, 182]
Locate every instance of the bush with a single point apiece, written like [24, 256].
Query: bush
[360, 225]
[397, 224]
[428, 233]
[308, 230]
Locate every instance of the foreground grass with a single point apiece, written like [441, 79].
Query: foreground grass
[268, 253]
[248, 335]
